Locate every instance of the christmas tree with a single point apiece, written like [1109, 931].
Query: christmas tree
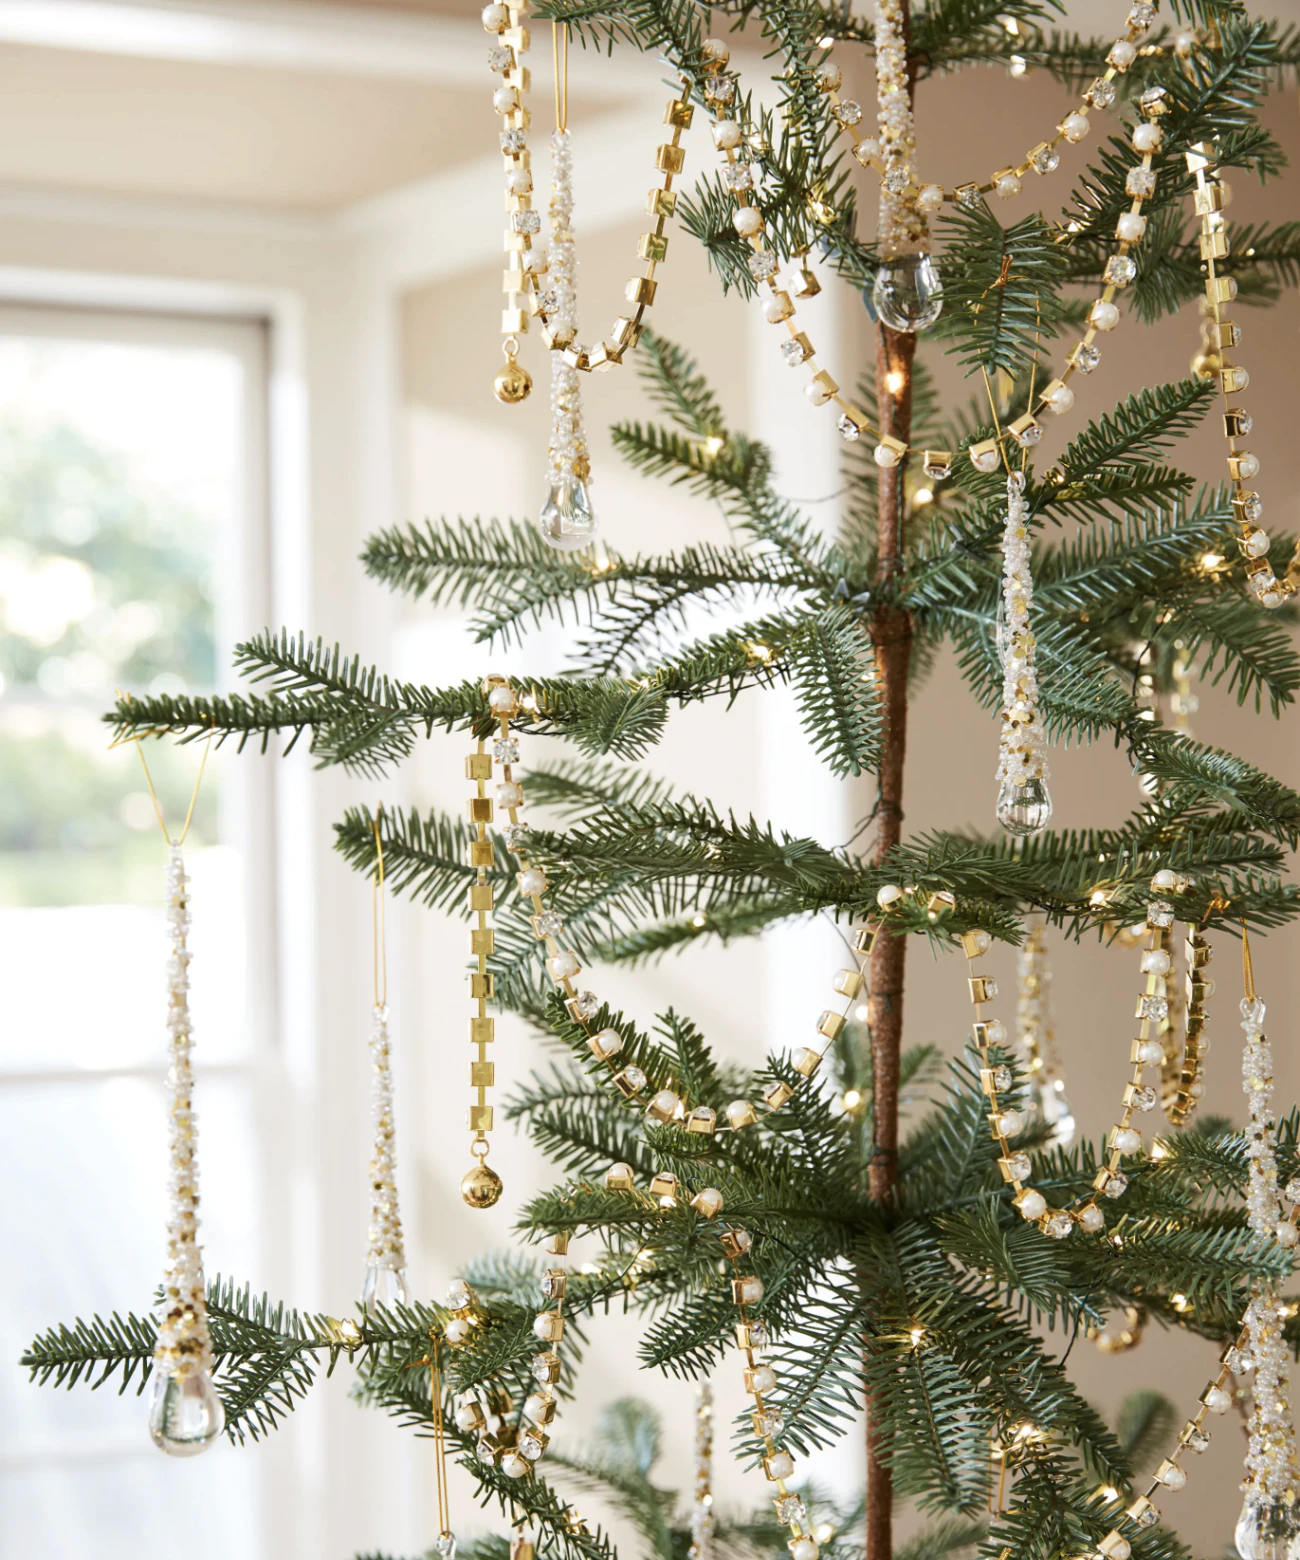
[906, 1266]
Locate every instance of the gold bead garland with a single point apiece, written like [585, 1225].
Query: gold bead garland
[1243, 466]
[1056, 396]
[508, 23]
[1180, 1077]
[1005, 182]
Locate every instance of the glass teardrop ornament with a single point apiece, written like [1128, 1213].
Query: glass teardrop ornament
[383, 1286]
[185, 1413]
[1024, 809]
[1267, 1529]
[567, 520]
[908, 292]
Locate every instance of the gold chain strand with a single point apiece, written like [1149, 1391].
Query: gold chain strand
[1181, 1076]
[560, 67]
[439, 1445]
[507, 22]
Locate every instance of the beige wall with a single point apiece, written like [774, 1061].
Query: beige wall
[463, 451]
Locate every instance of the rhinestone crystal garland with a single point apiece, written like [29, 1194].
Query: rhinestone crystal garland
[185, 1413]
[1024, 804]
[1036, 1039]
[385, 1280]
[567, 520]
[907, 294]
[1269, 1525]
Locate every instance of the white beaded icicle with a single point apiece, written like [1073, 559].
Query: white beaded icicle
[385, 1281]
[567, 519]
[1269, 1524]
[701, 1545]
[185, 1413]
[1024, 804]
[1263, 1207]
[907, 294]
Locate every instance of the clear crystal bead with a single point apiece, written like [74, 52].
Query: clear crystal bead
[794, 352]
[849, 428]
[1252, 506]
[542, 1368]
[1160, 913]
[1024, 809]
[1085, 357]
[1267, 1529]
[530, 1446]
[548, 301]
[1141, 181]
[526, 221]
[382, 1286]
[505, 750]
[1144, 1098]
[1058, 1225]
[500, 58]
[1142, 15]
[739, 176]
[763, 265]
[445, 1544]
[1149, 1517]
[1252, 1013]
[1116, 1184]
[759, 1337]
[1002, 1079]
[549, 924]
[897, 178]
[516, 837]
[1120, 270]
[513, 142]
[1019, 1166]
[771, 1422]
[720, 89]
[1028, 436]
[1156, 1008]
[1197, 1440]
[1047, 161]
[567, 520]
[586, 1004]
[790, 1509]
[634, 1078]
[185, 1413]
[908, 293]
[1101, 94]
[848, 112]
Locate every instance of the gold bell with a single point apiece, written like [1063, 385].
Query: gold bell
[512, 385]
[481, 1187]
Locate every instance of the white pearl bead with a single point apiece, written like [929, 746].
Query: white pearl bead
[505, 100]
[747, 221]
[1127, 1140]
[1091, 1218]
[1131, 226]
[817, 392]
[1286, 1233]
[740, 1113]
[1257, 544]
[829, 76]
[780, 1465]
[503, 701]
[532, 881]
[564, 966]
[803, 1549]
[762, 1378]
[467, 1417]
[1247, 465]
[1217, 1401]
[1147, 137]
[726, 135]
[1008, 185]
[1075, 126]
[665, 1102]
[1033, 1205]
[888, 895]
[513, 1465]
[886, 455]
[709, 1201]
[715, 51]
[495, 18]
[510, 794]
[1151, 1053]
[1104, 316]
[519, 181]
[1165, 878]
[869, 147]
[1011, 1123]
[606, 1043]
[986, 460]
[1155, 961]
[1270, 599]
[456, 1330]
[1061, 400]
[751, 1289]
[930, 197]
[1120, 1549]
[1122, 54]
[980, 940]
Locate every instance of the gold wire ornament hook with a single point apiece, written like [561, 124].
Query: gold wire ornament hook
[148, 780]
[560, 65]
[1247, 968]
[378, 940]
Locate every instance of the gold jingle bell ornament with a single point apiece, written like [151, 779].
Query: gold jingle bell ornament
[481, 1187]
[513, 383]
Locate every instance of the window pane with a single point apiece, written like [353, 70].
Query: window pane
[121, 489]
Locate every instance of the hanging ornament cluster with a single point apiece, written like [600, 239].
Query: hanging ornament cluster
[1036, 1039]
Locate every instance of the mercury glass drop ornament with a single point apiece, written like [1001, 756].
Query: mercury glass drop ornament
[567, 520]
[908, 292]
[1267, 1529]
[1024, 809]
[185, 1413]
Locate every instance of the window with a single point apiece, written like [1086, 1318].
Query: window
[132, 546]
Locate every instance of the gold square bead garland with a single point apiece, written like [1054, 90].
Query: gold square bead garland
[508, 23]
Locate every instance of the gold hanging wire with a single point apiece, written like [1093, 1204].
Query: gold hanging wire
[439, 1443]
[153, 794]
[560, 65]
[1247, 968]
[378, 941]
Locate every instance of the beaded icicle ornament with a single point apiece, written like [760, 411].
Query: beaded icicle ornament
[567, 519]
[1024, 805]
[185, 1413]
